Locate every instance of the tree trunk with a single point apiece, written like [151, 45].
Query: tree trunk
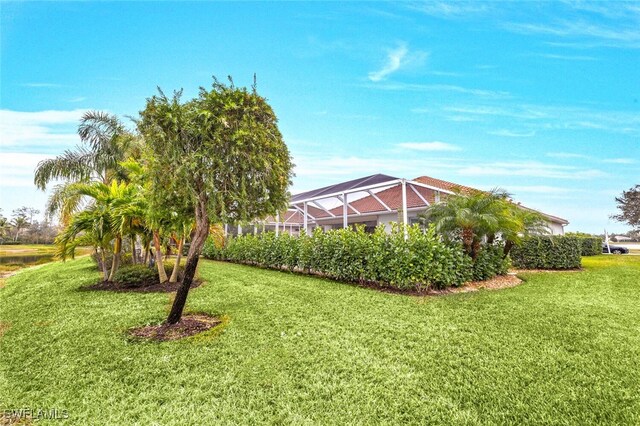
[508, 245]
[117, 248]
[467, 241]
[105, 271]
[475, 251]
[156, 243]
[198, 240]
[176, 267]
[134, 258]
[146, 253]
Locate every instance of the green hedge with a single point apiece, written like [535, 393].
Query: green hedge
[548, 252]
[387, 259]
[591, 246]
[490, 262]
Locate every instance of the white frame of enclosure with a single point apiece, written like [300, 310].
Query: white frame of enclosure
[342, 197]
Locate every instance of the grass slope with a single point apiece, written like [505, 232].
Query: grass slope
[562, 348]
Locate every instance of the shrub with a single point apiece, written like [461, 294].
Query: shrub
[136, 276]
[421, 261]
[139, 275]
[548, 252]
[490, 262]
[591, 246]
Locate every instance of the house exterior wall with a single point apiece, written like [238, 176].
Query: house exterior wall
[556, 228]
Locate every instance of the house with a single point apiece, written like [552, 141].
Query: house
[370, 201]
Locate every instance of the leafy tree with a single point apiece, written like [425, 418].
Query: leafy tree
[20, 221]
[223, 150]
[629, 206]
[4, 225]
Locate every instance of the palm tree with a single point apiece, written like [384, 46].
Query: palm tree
[94, 227]
[19, 223]
[477, 216]
[519, 222]
[124, 207]
[468, 216]
[106, 143]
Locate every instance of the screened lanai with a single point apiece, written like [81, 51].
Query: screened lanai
[369, 201]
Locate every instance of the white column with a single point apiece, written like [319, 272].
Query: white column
[437, 196]
[226, 230]
[277, 224]
[255, 229]
[344, 211]
[239, 230]
[404, 208]
[305, 220]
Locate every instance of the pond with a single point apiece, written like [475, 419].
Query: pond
[27, 259]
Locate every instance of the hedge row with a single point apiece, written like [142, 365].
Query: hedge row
[591, 246]
[548, 252]
[387, 259]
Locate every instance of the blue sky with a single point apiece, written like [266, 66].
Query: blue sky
[542, 99]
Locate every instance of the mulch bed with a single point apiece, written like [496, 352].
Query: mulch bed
[189, 325]
[147, 288]
[496, 283]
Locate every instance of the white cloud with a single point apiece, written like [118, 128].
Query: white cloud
[620, 161]
[429, 146]
[449, 9]
[566, 155]
[51, 129]
[568, 57]
[540, 189]
[512, 134]
[618, 36]
[492, 94]
[544, 117]
[330, 168]
[49, 85]
[531, 169]
[394, 62]
[16, 168]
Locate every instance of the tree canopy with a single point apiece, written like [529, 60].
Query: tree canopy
[629, 206]
[223, 152]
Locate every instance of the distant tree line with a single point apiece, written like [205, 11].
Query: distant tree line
[24, 227]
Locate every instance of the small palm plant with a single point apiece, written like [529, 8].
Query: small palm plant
[476, 216]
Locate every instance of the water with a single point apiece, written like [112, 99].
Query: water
[29, 259]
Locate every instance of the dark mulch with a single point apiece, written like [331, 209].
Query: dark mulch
[189, 325]
[146, 288]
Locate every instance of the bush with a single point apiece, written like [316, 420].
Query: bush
[591, 246]
[136, 276]
[421, 261]
[490, 262]
[548, 252]
[139, 275]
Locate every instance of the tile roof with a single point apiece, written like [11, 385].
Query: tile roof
[392, 197]
[343, 186]
[443, 184]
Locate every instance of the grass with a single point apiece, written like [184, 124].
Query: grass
[561, 348]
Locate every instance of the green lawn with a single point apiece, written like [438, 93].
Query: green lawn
[562, 348]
